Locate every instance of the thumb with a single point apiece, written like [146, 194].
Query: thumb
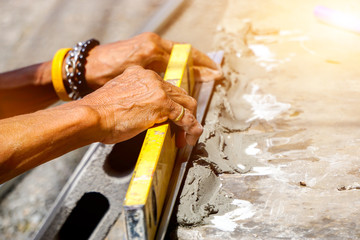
[204, 74]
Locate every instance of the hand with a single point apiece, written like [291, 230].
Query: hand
[147, 50]
[138, 99]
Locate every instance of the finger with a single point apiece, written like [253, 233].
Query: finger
[191, 140]
[180, 96]
[157, 66]
[188, 122]
[180, 138]
[205, 69]
[167, 45]
[202, 74]
[158, 62]
[201, 59]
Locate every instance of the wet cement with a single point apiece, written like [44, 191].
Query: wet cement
[281, 141]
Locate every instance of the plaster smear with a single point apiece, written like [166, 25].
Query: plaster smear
[252, 150]
[264, 106]
[286, 160]
[202, 196]
[265, 57]
[227, 222]
[226, 147]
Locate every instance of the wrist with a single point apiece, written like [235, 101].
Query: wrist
[68, 71]
[43, 74]
[97, 71]
[87, 121]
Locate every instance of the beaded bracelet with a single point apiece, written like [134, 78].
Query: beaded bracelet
[75, 83]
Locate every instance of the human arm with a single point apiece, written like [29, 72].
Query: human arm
[26, 90]
[30, 89]
[121, 109]
[32, 139]
[147, 50]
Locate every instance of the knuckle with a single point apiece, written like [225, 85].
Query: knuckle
[162, 97]
[151, 48]
[150, 36]
[193, 103]
[196, 129]
[191, 119]
[134, 68]
[152, 75]
[183, 91]
[150, 43]
[114, 82]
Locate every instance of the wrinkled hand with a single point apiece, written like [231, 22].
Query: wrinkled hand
[147, 50]
[138, 99]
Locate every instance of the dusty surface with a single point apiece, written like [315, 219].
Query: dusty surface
[279, 157]
[285, 124]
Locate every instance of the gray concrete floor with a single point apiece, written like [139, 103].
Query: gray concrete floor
[291, 120]
[294, 89]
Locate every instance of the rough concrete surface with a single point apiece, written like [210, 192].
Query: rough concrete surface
[279, 157]
[101, 184]
[282, 134]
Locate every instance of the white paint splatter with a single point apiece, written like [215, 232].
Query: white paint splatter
[227, 222]
[268, 59]
[261, 51]
[264, 56]
[252, 150]
[242, 167]
[264, 106]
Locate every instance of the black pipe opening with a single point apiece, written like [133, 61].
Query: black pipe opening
[84, 218]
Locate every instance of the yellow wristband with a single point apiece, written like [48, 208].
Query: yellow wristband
[56, 74]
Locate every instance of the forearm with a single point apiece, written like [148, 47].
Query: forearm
[26, 90]
[32, 139]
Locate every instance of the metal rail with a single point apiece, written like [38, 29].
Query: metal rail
[203, 96]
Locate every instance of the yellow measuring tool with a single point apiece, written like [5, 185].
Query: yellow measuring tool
[147, 189]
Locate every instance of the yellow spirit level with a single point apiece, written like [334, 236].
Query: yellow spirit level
[147, 189]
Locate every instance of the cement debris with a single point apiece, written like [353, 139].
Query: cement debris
[289, 105]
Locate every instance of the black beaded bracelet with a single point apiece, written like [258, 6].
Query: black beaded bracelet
[75, 83]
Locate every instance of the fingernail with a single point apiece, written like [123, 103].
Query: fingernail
[201, 129]
[215, 65]
[220, 69]
[219, 75]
